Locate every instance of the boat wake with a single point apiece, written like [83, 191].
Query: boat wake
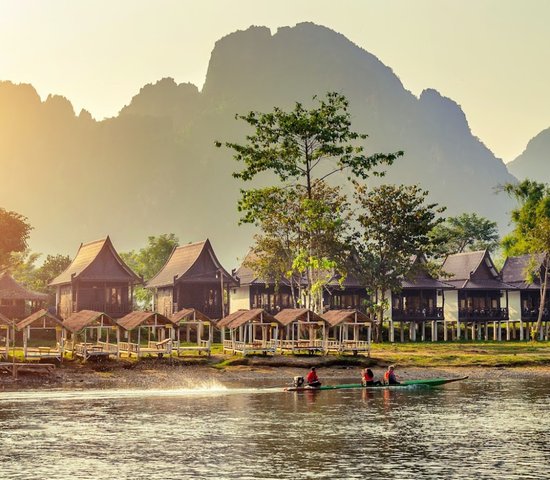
[201, 389]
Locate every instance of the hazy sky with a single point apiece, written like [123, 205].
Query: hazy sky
[491, 56]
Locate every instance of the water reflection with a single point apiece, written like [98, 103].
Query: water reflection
[497, 429]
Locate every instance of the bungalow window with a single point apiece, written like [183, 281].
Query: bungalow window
[114, 295]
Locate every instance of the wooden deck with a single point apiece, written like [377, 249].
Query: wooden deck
[152, 348]
[200, 347]
[295, 346]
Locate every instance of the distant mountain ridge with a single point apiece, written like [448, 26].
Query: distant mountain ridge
[154, 169]
[534, 161]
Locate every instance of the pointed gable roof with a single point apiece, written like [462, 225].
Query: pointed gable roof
[141, 318]
[97, 261]
[10, 289]
[515, 270]
[48, 320]
[289, 315]
[185, 264]
[87, 318]
[473, 270]
[240, 317]
[189, 315]
[336, 317]
[420, 279]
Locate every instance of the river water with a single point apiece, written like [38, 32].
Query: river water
[472, 429]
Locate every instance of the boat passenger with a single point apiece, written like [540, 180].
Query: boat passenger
[389, 376]
[312, 380]
[368, 378]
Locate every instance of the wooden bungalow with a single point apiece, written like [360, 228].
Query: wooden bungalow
[192, 278]
[158, 332]
[194, 332]
[302, 331]
[350, 332]
[419, 303]
[98, 280]
[43, 322]
[249, 332]
[17, 302]
[253, 292]
[6, 334]
[90, 334]
[524, 303]
[347, 295]
[480, 301]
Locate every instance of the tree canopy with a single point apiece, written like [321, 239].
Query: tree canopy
[15, 230]
[531, 234]
[301, 212]
[394, 225]
[465, 232]
[148, 261]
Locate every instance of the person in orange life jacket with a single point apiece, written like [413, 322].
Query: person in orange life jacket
[389, 376]
[312, 379]
[368, 378]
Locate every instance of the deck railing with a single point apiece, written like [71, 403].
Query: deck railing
[531, 315]
[483, 314]
[435, 313]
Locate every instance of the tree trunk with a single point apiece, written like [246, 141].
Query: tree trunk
[543, 285]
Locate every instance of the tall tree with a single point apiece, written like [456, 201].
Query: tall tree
[148, 261]
[302, 240]
[465, 232]
[15, 231]
[531, 234]
[394, 225]
[302, 148]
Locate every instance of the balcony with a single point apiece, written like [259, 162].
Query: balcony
[413, 314]
[483, 314]
[532, 315]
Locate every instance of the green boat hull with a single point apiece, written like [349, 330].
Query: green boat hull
[432, 382]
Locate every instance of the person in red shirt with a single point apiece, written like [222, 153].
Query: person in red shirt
[367, 379]
[312, 380]
[389, 376]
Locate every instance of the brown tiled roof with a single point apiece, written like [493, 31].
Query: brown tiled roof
[245, 274]
[335, 317]
[86, 318]
[83, 265]
[188, 314]
[140, 318]
[462, 265]
[289, 315]
[240, 317]
[181, 261]
[10, 289]
[514, 271]
[50, 321]
[426, 284]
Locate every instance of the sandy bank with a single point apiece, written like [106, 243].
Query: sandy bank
[155, 373]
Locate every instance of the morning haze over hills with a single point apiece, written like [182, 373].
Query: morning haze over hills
[154, 168]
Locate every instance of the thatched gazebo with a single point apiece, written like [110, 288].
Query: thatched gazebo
[159, 336]
[350, 331]
[46, 322]
[250, 331]
[89, 334]
[16, 301]
[197, 329]
[303, 330]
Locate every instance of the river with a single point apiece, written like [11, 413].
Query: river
[472, 429]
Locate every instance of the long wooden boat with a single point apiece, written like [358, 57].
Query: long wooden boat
[432, 382]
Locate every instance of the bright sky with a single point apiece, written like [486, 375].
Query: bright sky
[490, 56]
